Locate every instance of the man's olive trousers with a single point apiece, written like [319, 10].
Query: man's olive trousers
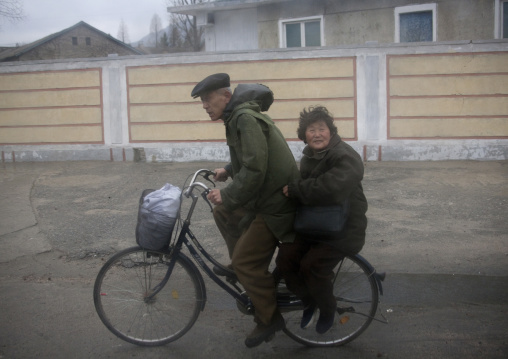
[251, 251]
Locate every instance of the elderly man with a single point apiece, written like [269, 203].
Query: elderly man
[252, 213]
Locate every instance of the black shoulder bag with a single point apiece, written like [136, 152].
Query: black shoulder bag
[321, 220]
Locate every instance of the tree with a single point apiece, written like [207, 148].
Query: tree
[11, 9]
[175, 38]
[187, 24]
[123, 33]
[164, 41]
[155, 26]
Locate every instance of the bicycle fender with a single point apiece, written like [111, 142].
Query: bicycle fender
[371, 269]
[198, 275]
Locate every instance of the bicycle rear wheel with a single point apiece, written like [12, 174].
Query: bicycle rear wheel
[122, 297]
[356, 290]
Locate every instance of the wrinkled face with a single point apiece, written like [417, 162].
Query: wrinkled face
[215, 102]
[317, 136]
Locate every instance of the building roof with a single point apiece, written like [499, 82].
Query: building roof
[12, 53]
[220, 5]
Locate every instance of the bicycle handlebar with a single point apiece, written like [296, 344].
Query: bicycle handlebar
[206, 175]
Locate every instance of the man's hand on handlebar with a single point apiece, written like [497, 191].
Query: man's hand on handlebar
[215, 197]
[221, 175]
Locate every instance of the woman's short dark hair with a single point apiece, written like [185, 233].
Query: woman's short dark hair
[314, 114]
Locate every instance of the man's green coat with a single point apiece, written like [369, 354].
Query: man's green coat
[261, 161]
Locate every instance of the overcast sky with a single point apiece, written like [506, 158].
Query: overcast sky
[45, 17]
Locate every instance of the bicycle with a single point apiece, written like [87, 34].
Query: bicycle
[152, 298]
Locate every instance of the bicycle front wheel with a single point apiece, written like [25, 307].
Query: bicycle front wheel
[124, 300]
[356, 291]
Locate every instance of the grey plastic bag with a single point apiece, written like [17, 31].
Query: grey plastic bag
[157, 218]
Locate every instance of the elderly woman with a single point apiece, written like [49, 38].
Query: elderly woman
[331, 172]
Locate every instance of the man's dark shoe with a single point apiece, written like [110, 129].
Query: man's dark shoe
[325, 322]
[265, 333]
[308, 317]
[224, 273]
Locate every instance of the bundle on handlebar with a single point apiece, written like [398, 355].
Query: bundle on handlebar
[157, 216]
[154, 230]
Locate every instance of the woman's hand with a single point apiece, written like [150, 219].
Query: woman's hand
[221, 175]
[285, 190]
[215, 197]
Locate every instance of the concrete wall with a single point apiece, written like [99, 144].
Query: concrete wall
[436, 101]
[465, 19]
[161, 109]
[51, 107]
[447, 96]
[234, 30]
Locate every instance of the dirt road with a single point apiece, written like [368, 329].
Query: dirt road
[439, 229]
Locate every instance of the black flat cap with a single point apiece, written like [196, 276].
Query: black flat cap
[211, 83]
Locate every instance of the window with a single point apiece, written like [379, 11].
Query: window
[501, 22]
[415, 23]
[88, 41]
[74, 40]
[505, 19]
[302, 32]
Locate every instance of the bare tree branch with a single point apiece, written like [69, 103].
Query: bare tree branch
[187, 25]
[11, 10]
[156, 26]
[123, 33]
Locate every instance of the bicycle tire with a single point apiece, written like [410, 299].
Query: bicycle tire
[357, 294]
[120, 297]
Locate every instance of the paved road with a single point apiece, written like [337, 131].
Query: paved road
[438, 228]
